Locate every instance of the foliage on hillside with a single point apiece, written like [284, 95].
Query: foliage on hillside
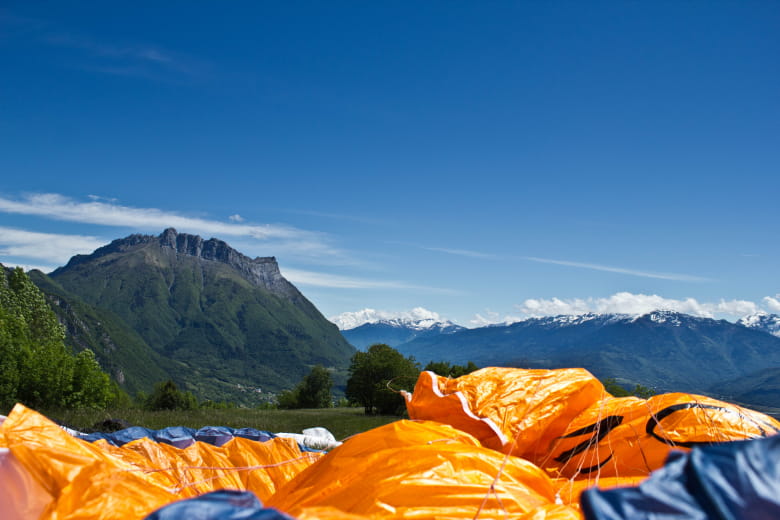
[36, 367]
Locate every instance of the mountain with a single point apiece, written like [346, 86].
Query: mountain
[761, 321]
[120, 350]
[396, 331]
[760, 388]
[664, 350]
[219, 323]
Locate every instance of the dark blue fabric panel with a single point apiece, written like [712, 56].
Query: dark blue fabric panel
[219, 505]
[180, 436]
[122, 436]
[732, 480]
[216, 435]
[255, 435]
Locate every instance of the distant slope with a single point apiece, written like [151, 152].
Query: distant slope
[226, 325]
[761, 388]
[664, 350]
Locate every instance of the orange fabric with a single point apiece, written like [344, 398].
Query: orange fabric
[100, 481]
[565, 422]
[421, 470]
[496, 443]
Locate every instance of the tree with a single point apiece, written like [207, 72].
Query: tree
[613, 387]
[443, 368]
[36, 368]
[167, 396]
[314, 391]
[371, 375]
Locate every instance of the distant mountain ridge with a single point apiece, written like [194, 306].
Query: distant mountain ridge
[664, 350]
[219, 323]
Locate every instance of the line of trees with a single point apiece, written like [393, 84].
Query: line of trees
[36, 367]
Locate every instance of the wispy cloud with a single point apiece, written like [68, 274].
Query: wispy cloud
[49, 247]
[621, 270]
[58, 207]
[139, 59]
[630, 303]
[318, 279]
[460, 252]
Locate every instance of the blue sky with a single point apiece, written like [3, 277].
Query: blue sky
[483, 161]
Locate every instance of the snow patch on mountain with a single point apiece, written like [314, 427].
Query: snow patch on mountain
[762, 321]
[418, 318]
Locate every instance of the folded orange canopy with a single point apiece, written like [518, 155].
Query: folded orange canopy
[497, 443]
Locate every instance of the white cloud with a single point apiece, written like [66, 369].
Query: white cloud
[236, 218]
[459, 252]
[350, 320]
[58, 207]
[45, 246]
[620, 270]
[345, 282]
[773, 304]
[629, 303]
[492, 318]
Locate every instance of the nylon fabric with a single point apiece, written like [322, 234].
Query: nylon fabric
[102, 481]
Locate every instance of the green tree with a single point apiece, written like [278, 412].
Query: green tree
[613, 387]
[167, 396]
[36, 367]
[445, 369]
[371, 375]
[314, 391]
[92, 387]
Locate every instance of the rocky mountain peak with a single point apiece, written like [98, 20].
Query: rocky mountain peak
[260, 271]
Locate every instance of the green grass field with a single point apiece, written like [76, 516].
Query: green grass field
[342, 422]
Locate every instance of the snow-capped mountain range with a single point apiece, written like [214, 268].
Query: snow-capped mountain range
[664, 350]
[421, 319]
[418, 318]
[369, 326]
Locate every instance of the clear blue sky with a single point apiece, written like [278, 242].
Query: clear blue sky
[482, 160]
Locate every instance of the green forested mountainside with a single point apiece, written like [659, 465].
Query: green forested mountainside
[119, 349]
[221, 325]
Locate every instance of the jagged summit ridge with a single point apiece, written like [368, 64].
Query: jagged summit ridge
[260, 271]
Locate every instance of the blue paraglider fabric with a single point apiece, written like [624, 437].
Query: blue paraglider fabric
[219, 505]
[180, 436]
[731, 480]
